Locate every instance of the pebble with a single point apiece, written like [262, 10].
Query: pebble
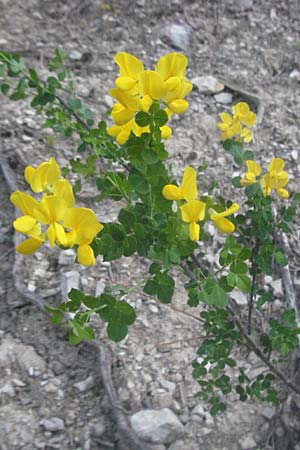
[295, 75]
[85, 385]
[239, 297]
[69, 281]
[67, 257]
[277, 287]
[224, 97]
[157, 427]
[53, 424]
[75, 55]
[294, 155]
[26, 138]
[168, 385]
[247, 442]
[207, 84]
[8, 389]
[177, 35]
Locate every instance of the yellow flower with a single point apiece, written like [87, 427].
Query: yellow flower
[51, 211]
[186, 191]
[172, 65]
[276, 179]
[229, 126]
[44, 176]
[192, 212]
[122, 132]
[27, 224]
[84, 226]
[254, 170]
[242, 112]
[224, 225]
[130, 67]
[232, 126]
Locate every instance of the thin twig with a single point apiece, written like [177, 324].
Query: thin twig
[251, 298]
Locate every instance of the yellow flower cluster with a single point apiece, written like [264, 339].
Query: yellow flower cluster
[193, 211]
[276, 178]
[136, 89]
[237, 126]
[54, 218]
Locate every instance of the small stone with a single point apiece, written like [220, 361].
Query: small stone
[295, 75]
[177, 35]
[67, 257]
[75, 55]
[207, 84]
[168, 385]
[153, 308]
[26, 138]
[294, 155]
[180, 445]
[69, 281]
[277, 287]
[85, 385]
[268, 412]
[157, 427]
[108, 100]
[239, 297]
[8, 389]
[53, 424]
[247, 442]
[224, 97]
[100, 286]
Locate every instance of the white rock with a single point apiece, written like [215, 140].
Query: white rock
[224, 97]
[25, 355]
[177, 35]
[53, 424]
[85, 385]
[75, 55]
[294, 155]
[247, 442]
[69, 280]
[100, 286]
[295, 75]
[158, 427]
[168, 385]
[207, 84]
[239, 297]
[67, 257]
[277, 287]
[8, 389]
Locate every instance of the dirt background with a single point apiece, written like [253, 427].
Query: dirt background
[253, 46]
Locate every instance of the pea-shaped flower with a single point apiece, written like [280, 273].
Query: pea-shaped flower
[276, 179]
[186, 191]
[254, 170]
[83, 228]
[219, 219]
[193, 212]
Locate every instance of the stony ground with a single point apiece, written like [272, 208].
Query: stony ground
[50, 394]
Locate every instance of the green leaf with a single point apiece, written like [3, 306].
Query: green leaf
[166, 286]
[142, 119]
[218, 296]
[235, 149]
[280, 258]
[161, 118]
[116, 332]
[138, 183]
[236, 182]
[151, 287]
[76, 296]
[4, 88]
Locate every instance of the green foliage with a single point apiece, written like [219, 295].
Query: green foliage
[134, 174]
